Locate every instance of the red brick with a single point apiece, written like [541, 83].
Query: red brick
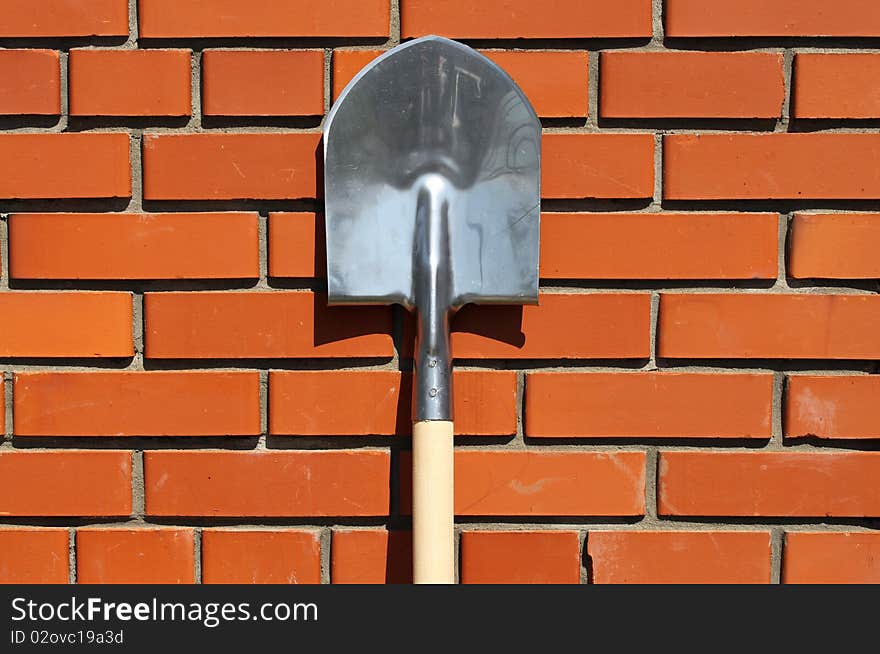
[795, 484]
[220, 166]
[95, 324]
[46, 18]
[819, 166]
[691, 85]
[129, 82]
[835, 246]
[65, 483]
[219, 18]
[679, 557]
[545, 483]
[251, 324]
[648, 405]
[137, 403]
[556, 83]
[658, 246]
[348, 63]
[321, 403]
[73, 165]
[30, 82]
[134, 246]
[832, 407]
[569, 169]
[517, 19]
[520, 557]
[777, 18]
[269, 483]
[371, 556]
[33, 555]
[260, 556]
[296, 245]
[831, 558]
[498, 483]
[263, 82]
[135, 556]
[837, 85]
[769, 326]
[563, 326]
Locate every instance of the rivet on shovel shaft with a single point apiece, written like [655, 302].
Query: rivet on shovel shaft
[432, 201]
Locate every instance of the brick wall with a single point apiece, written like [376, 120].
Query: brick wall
[695, 399]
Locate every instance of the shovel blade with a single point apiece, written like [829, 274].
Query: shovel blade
[432, 109]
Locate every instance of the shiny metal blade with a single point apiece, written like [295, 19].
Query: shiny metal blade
[432, 114]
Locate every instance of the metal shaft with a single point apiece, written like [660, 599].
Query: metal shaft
[432, 286]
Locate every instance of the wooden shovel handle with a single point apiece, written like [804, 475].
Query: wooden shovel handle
[433, 538]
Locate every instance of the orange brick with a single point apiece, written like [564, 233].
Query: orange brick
[802, 484]
[129, 82]
[691, 85]
[73, 165]
[137, 403]
[563, 326]
[271, 483]
[296, 245]
[658, 246]
[556, 83]
[520, 557]
[679, 557]
[835, 246]
[135, 556]
[33, 555]
[263, 82]
[251, 324]
[569, 170]
[46, 18]
[221, 18]
[330, 402]
[502, 483]
[837, 86]
[65, 483]
[30, 82]
[821, 166]
[484, 402]
[777, 18]
[95, 324]
[134, 246]
[260, 556]
[545, 483]
[217, 166]
[769, 326]
[371, 556]
[831, 558]
[348, 63]
[648, 405]
[379, 402]
[517, 19]
[832, 407]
